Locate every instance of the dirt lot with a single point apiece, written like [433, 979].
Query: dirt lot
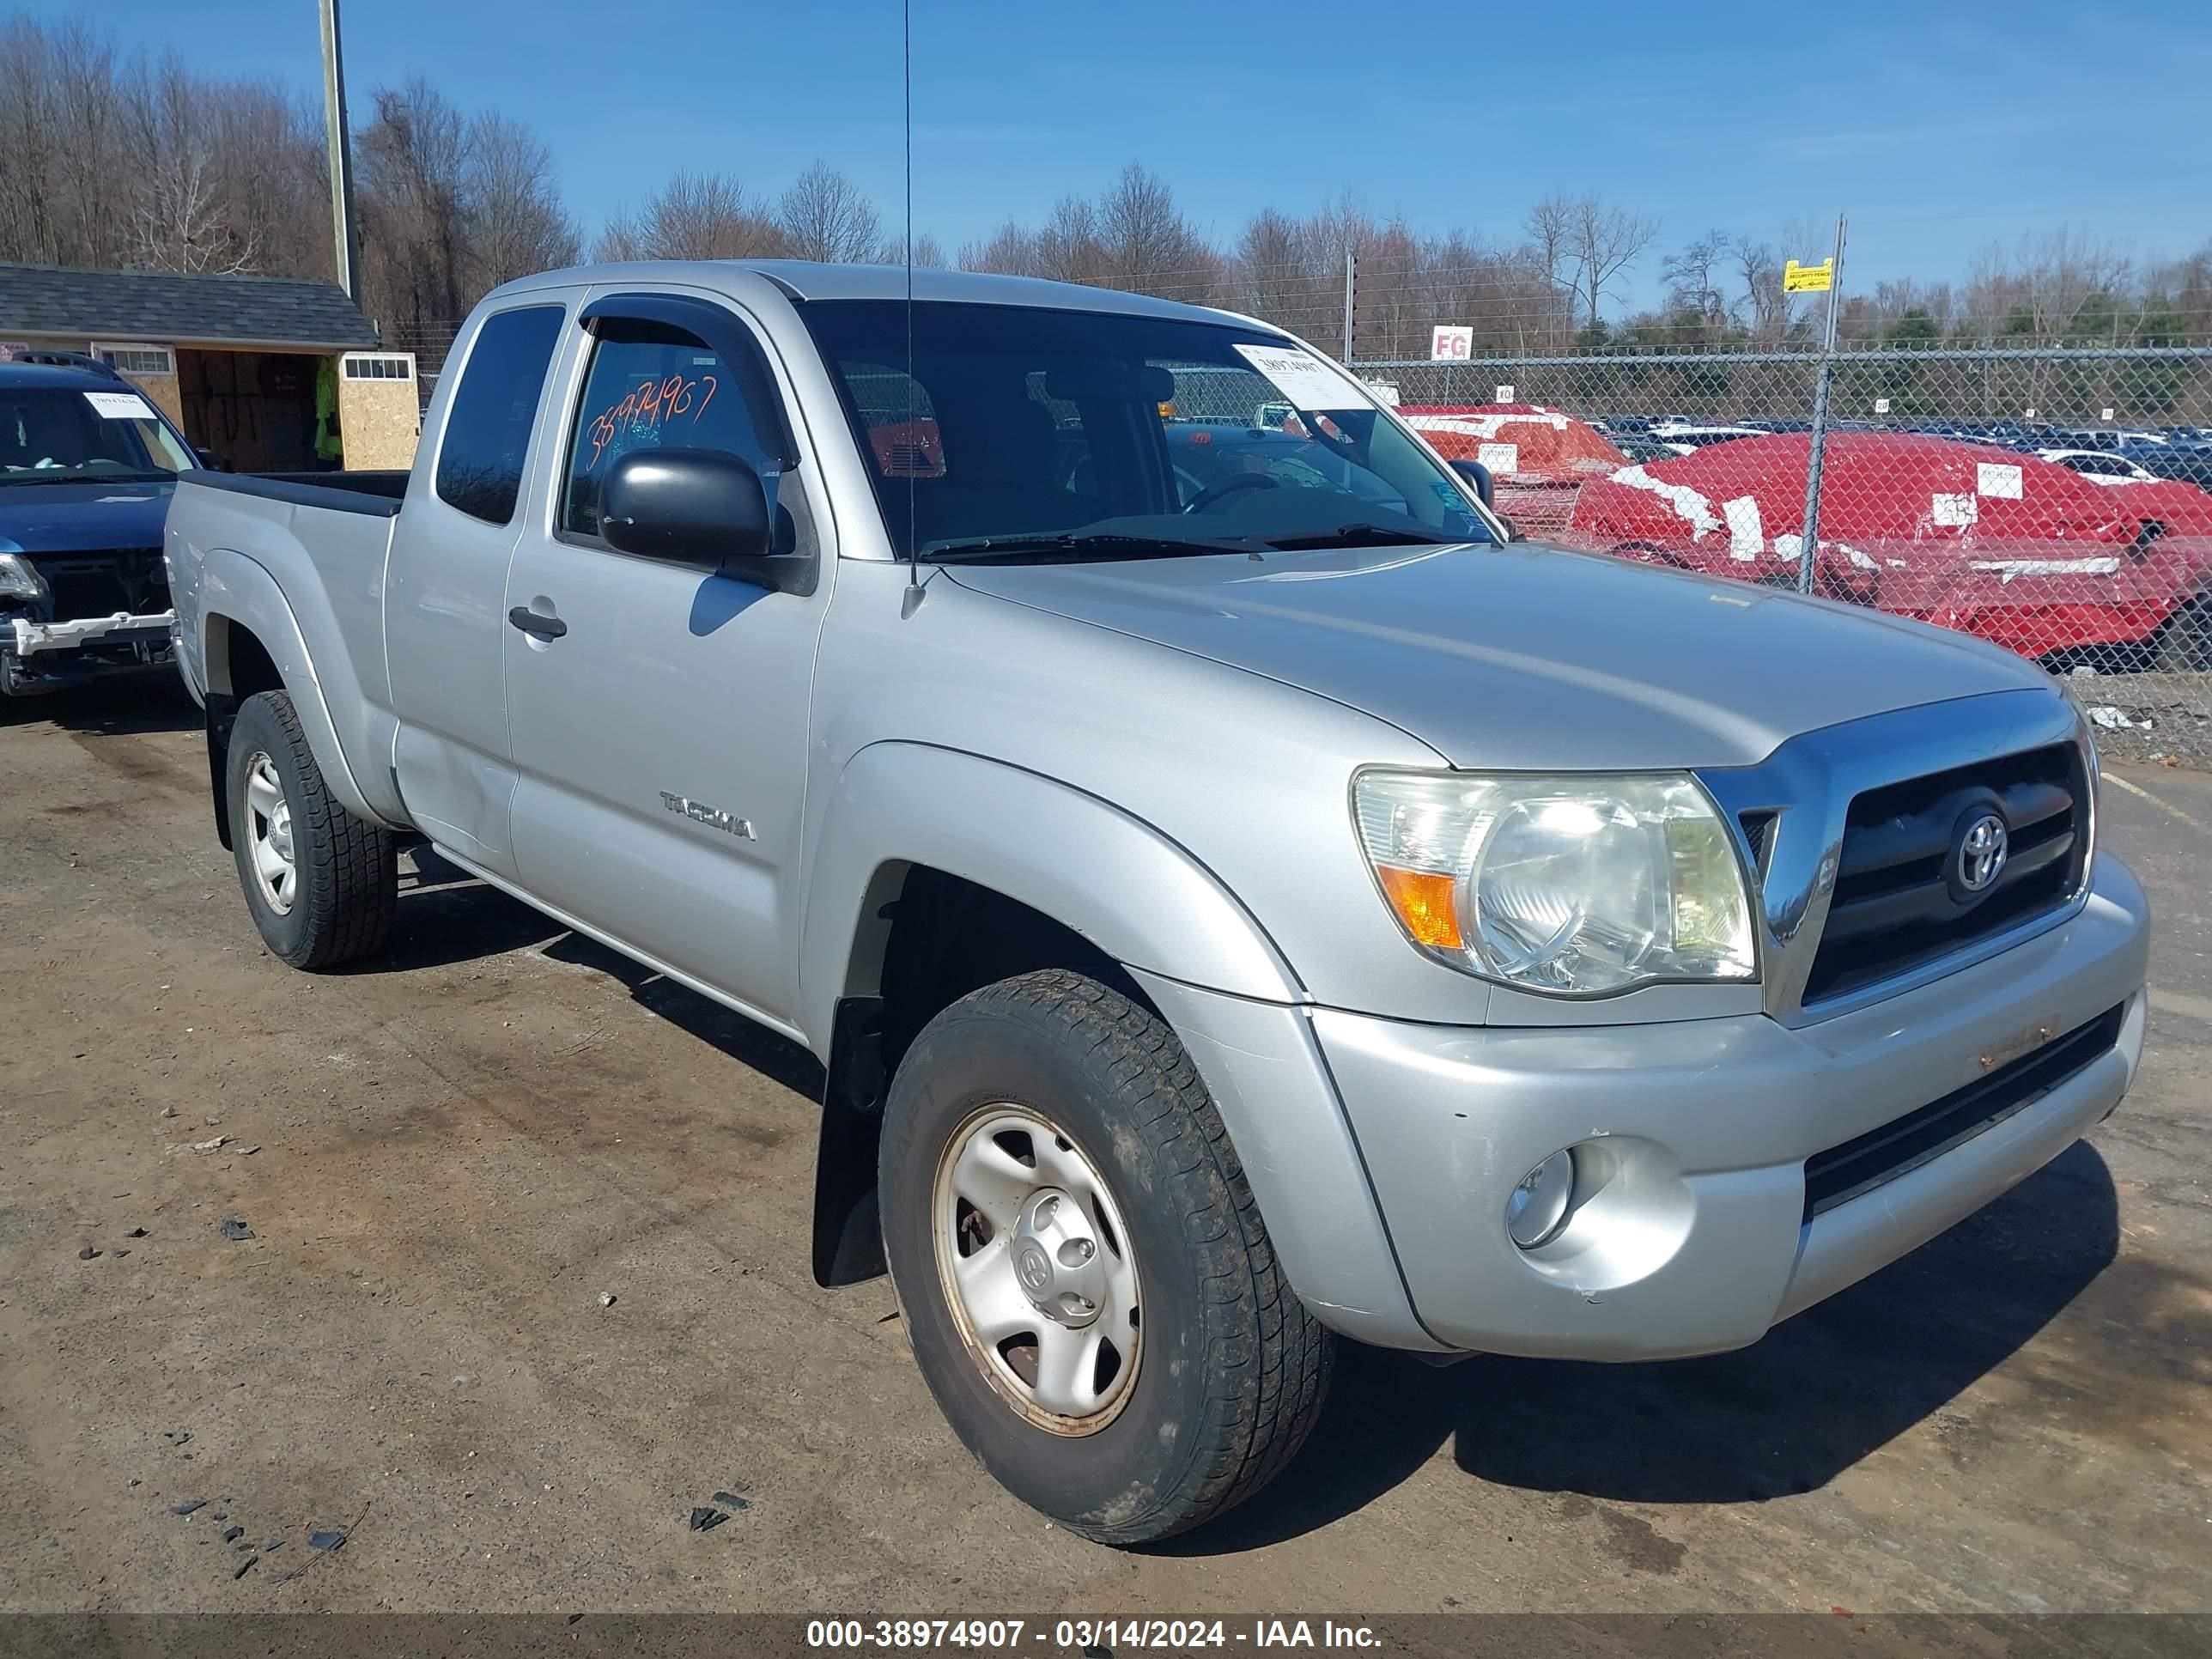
[446, 1163]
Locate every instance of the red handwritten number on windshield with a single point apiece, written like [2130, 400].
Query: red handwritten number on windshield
[649, 406]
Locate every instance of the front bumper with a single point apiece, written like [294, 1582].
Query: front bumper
[39, 656]
[1695, 1238]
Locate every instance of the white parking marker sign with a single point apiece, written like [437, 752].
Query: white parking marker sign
[119, 405]
[1304, 379]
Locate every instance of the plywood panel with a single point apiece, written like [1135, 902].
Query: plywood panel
[378, 423]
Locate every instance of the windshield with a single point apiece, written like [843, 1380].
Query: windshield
[1104, 434]
[60, 431]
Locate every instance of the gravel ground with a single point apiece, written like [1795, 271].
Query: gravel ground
[2152, 720]
[448, 1163]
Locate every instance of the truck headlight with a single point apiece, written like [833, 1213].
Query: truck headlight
[1573, 886]
[20, 577]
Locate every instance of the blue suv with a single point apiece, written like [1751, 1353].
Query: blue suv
[87, 467]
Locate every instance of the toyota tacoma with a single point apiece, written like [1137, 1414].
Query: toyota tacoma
[1238, 907]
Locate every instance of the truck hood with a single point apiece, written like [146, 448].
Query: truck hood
[1528, 656]
[82, 518]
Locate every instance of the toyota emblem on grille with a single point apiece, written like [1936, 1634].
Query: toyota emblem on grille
[1981, 852]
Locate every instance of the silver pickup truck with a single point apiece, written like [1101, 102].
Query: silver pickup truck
[1240, 894]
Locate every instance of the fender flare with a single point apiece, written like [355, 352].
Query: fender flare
[236, 590]
[1147, 903]
[1142, 898]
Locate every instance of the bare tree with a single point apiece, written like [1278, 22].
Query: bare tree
[1550, 226]
[179, 217]
[1011, 251]
[1765, 307]
[516, 223]
[2043, 285]
[695, 215]
[825, 216]
[1146, 243]
[1694, 276]
[62, 153]
[1603, 241]
[413, 189]
[275, 174]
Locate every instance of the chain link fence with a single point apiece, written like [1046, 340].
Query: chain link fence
[2051, 501]
[432, 343]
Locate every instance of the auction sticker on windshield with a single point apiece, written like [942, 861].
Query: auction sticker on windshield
[1303, 378]
[119, 405]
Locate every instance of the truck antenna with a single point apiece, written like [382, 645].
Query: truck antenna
[912, 600]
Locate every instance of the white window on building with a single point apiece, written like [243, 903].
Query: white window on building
[134, 359]
[379, 366]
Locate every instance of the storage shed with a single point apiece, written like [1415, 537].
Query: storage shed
[264, 374]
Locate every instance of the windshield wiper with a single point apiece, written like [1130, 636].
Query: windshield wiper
[1075, 547]
[1351, 535]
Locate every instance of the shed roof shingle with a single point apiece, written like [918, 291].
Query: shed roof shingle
[164, 306]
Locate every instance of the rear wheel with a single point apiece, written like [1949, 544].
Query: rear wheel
[1091, 1291]
[321, 884]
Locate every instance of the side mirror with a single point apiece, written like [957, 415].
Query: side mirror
[210, 460]
[1476, 473]
[701, 508]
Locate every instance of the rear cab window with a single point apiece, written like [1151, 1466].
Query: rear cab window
[486, 442]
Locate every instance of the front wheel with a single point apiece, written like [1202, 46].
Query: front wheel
[1090, 1289]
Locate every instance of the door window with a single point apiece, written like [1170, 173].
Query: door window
[487, 437]
[653, 385]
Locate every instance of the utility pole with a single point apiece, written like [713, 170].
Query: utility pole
[341, 146]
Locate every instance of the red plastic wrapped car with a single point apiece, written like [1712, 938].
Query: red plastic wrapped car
[2002, 545]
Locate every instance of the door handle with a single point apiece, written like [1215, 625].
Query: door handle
[530, 621]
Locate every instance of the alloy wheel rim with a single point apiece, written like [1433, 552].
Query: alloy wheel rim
[1037, 1268]
[269, 835]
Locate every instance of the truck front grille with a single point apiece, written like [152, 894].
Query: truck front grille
[1843, 1173]
[100, 584]
[1897, 902]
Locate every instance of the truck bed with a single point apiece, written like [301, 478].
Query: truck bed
[378, 492]
[303, 551]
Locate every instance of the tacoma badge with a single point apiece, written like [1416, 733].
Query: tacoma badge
[713, 816]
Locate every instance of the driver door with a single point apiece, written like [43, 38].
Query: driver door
[659, 714]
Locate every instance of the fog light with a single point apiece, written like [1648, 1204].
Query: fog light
[1537, 1208]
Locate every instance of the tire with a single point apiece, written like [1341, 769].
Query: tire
[344, 885]
[2185, 644]
[1221, 1372]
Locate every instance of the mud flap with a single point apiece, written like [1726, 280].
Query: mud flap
[849, 1241]
[222, 713]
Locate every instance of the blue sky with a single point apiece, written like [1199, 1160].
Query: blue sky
[1937, 125]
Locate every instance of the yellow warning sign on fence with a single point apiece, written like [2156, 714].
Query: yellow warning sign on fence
[1808, 279]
